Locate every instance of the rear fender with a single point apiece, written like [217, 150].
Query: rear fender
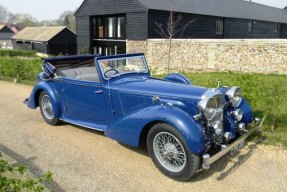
[128, 129]
[33, 101]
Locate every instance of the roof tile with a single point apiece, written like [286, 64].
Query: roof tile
[221, 8]
[42, 34]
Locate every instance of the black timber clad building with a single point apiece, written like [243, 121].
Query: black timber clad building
[103, 26]
[53, 40]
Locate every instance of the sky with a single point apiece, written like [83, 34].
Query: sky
[52, 9]
[41, 9]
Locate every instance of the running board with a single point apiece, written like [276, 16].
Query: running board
[87, 125]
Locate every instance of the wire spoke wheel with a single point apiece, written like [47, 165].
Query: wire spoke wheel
[47, 107]
[169, 152]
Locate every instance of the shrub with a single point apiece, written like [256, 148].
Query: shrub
[16, 179]
[17, 53]
[25, 69]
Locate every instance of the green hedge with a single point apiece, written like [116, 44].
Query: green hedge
[17, 53]
[23, 69]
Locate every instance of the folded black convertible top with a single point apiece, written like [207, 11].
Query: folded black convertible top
[62, 60]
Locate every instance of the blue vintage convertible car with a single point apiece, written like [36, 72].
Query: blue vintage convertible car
[184, 127]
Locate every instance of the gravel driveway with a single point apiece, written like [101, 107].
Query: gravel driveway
[85, 160]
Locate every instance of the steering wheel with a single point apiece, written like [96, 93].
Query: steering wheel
[111, 70]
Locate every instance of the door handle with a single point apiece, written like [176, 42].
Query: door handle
[99, 92]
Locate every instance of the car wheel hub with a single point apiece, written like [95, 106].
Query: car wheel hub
[169, 152]
[47, 107]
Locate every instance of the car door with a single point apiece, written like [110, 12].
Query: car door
[83, 100]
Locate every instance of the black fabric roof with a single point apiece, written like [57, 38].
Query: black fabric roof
[222, 8]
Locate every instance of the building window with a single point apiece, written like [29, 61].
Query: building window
[250, 26]
[276, 27]
[100, 28]
[121, 27]
[109, 49]
[112, 27]
[109, 27]
[219, 26]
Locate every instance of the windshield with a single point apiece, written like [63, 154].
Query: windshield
[123, 65]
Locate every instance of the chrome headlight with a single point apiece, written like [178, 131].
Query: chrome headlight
[238, 114]
[234, 96]
[211, 102]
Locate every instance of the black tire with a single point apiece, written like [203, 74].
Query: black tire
[192, 161]
[49, 118]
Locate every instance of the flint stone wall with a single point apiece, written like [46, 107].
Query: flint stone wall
[246, 55]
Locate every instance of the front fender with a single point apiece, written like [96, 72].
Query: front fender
[48, 87]
[128, 129]
[247, 111]
[177, 78]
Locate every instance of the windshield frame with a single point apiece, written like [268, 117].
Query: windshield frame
[119, 57]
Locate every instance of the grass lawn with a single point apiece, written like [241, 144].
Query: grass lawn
[265, 93]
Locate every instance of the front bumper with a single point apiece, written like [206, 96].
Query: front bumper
[207, 160]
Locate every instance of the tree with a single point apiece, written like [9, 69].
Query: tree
[11, 18]
[68, 19]
[3, 14]
[49, 23]
[173, 29]
[24, 20]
